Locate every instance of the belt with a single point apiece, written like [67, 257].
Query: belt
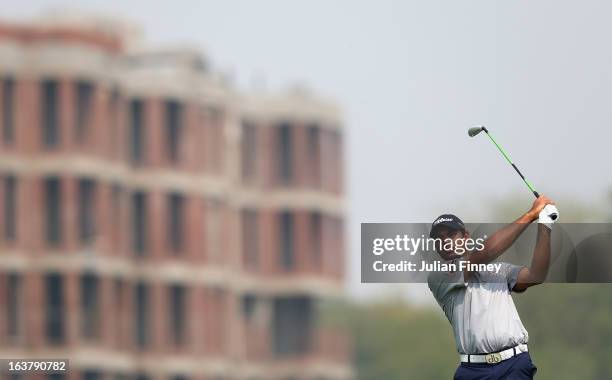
[495, 357]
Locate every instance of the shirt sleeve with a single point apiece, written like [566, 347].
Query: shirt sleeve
[510, 273]
[442, 283]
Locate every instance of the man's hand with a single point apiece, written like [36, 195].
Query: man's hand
[549, 215]
[538, 205]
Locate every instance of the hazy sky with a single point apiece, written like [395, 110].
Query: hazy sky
[411, 77]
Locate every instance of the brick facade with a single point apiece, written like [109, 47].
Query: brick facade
[148, 287]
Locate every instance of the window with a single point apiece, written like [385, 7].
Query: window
[141, 316]
[13, 305]
[216, 140]
[137, 152]
[292, 325]
[139, 223]
[250, 238]
[248, 306]
[91, 375]
[175, 222]
[53, 211]
[84, 92]
[50, 113]
[86, 210]
[314, 151]
[54, 311]
[286, 240]
[116, 196]
[116, 200]
[10, 208]
[249, 151]
[177, 313]
[89, 306]
[285, 151]
[316, 237]
[173, 129]
[120, 306]
[8, 111]
[114, 118]
[313, 140]
[337, 231]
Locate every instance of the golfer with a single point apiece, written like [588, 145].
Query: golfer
[489, 335]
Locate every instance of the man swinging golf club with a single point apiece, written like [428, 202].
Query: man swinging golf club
[489, 335]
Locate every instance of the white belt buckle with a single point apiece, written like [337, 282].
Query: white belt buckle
[493, 358]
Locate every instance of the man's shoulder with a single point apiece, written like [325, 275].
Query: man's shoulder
[442, 284]
[436, 277]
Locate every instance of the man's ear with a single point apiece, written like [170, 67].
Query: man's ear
[466, 234]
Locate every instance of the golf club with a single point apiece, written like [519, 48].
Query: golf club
[479, 128]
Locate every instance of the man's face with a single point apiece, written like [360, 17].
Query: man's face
[457, 237]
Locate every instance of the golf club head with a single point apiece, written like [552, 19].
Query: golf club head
[475, 130]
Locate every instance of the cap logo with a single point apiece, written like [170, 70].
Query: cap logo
[442, 220]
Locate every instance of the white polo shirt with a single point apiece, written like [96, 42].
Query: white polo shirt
[481, 312]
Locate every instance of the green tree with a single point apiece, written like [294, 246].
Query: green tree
[394, 340]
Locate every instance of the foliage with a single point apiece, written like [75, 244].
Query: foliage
[570, 330]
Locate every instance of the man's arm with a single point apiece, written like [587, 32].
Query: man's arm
[500, 241]
[536, 273]
[503, 239]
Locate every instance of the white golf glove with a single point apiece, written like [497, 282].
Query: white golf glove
[548, 215]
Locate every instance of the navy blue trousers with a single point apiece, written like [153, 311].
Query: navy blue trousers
[519, 367]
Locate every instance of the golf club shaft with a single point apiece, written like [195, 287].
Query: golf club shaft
[512, 163]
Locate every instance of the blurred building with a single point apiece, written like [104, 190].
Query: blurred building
[156, 223]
